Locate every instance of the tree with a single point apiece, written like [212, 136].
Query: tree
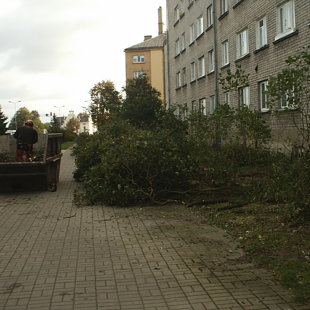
[142, 103]
[292, 87]
[106, 102]
[73, 125]
[233, 81]
[23, 115]
[3, 122]
[251, 128]
[54, 125]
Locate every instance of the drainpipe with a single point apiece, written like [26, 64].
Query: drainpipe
[167, 65]
[214, 9]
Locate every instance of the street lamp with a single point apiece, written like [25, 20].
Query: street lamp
[15, 102]
[59, 107]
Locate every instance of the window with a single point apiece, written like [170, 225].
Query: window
[284, 101]
[192, 33]
[244, 96]
[178, 79]
[287, 100]
[211, 60]
[212, 104]
[138, 59]
[209, 16]
[182, 42]
[177, 47]
[176, 14]
[225, 56]
[194, 105]
[181, 8]
[184, 76]
[263, 96]
[203, 106]
[223, 6]
[286, 18]
[193, 71]
[226, 98]
[201, 67]
[261, 33]
[199, 26]
[242, 43]
[138, 74]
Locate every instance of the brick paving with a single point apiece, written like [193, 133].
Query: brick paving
[56, 256]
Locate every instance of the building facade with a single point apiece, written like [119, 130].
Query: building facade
[206, 38]
[148, 58]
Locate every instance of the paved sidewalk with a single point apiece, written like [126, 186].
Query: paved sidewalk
[56, 256]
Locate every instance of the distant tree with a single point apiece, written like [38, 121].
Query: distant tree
[73, 125]
[23, 115]
[54, 125]
[3, 122]
[142, 104]
[105, 102]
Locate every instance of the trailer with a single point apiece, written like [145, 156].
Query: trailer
[41, 173]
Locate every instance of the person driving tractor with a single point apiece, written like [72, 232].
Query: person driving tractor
[26, 136]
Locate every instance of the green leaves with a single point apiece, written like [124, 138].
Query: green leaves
[233, 81]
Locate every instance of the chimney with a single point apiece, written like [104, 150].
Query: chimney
[160, 21]
[147, 37]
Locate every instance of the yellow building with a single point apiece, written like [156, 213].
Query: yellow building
[148, 58]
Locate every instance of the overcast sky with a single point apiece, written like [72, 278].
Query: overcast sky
[52, 52]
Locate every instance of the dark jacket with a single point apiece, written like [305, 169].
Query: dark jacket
[26, 135]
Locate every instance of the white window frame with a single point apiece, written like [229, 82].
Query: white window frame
[184, 81]
[182, 42]
[223, 6]
[194, 105]
[285, 100]
[209, 16]
[178, 80]
[226, 96]
[244, 96]
[203, 106]
[201, 67]
[177, 47]
[199, 26]
[263, 98]
[181, 8]
[242, 43]
[138, 59]
[261, 32]
[138, 74]
[212, 104]
[285, 19]
[225, 53]
[193, 71]
[192, 33]
[176, 13]
[211, 61]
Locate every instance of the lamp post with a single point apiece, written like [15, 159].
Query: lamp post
[15, 103]
[59, 107]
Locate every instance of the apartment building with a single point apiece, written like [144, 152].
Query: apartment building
[208, 37]
[148, 58]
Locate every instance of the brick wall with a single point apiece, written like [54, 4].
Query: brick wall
[260, 64]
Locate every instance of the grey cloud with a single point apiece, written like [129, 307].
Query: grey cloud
[37, 37]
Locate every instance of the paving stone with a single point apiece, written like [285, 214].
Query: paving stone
[56, 256]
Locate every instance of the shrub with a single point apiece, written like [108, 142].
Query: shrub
[137, 167]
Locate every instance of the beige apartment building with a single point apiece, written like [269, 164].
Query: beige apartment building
[208, 37]
[148, 58]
